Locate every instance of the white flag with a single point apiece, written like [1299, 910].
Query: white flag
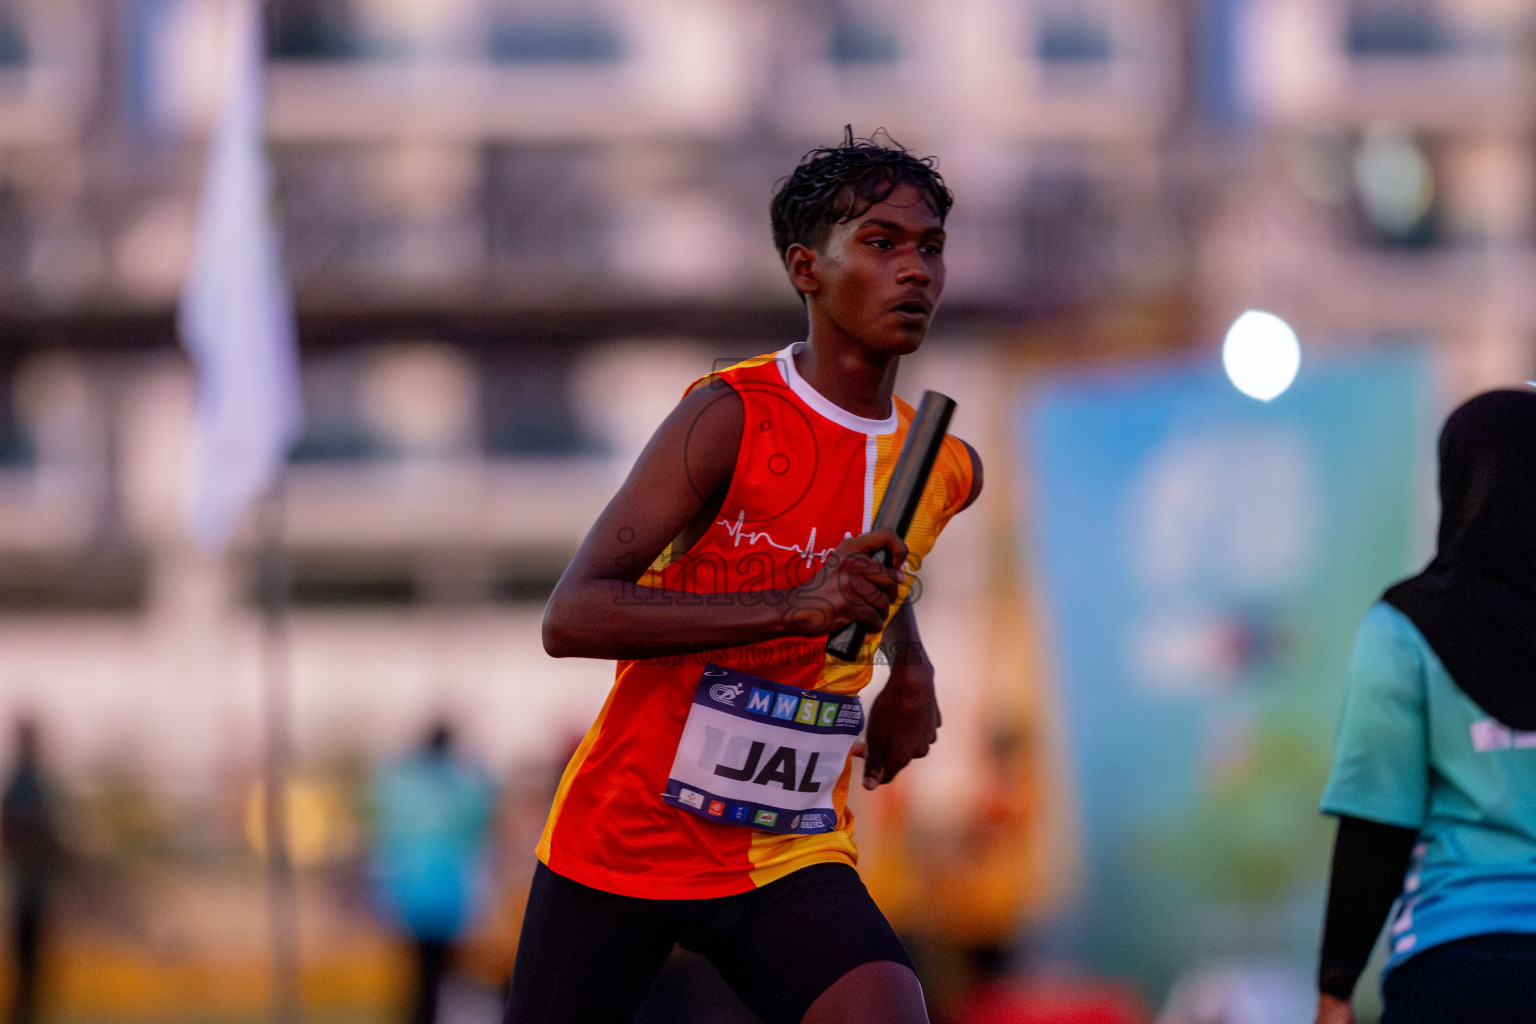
[236, 316]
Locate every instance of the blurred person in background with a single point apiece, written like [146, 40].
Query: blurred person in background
[1434, 774]
[29, 835]
[431, 817]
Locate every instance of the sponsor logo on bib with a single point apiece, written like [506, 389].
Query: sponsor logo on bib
[725, 693]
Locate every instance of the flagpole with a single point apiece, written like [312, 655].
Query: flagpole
[282, 896]
[276, 677]
[236, 321]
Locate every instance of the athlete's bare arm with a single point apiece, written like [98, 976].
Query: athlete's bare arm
[673, 491]
[1333, 1010]
[904, 720]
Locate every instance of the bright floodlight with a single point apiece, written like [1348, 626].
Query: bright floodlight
[1261, 355]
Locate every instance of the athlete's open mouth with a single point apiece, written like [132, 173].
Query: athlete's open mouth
[912, 307]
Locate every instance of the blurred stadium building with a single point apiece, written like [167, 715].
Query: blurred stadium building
[516, 227]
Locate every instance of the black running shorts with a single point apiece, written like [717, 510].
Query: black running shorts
[589, 957]
[1484, 979]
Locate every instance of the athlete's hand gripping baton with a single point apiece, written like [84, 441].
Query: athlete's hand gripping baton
[902, 496]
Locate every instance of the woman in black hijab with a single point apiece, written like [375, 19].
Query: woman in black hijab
[1434, 776]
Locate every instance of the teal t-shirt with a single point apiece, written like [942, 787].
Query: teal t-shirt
[431, 819]
[1415, 751]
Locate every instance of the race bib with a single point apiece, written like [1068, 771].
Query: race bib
[763, 754]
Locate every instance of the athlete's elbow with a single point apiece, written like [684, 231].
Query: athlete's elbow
[561, 640]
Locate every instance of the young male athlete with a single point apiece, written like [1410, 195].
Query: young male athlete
[707, 804]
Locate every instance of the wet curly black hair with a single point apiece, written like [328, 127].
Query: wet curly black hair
[834, 184]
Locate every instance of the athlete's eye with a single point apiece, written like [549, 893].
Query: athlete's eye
[879, 243]
[933, 249]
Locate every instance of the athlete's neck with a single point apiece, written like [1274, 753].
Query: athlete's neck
[855, 381]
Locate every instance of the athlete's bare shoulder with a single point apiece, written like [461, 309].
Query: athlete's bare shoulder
[705, 427]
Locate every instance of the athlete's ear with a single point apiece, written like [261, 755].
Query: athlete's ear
[804, 271]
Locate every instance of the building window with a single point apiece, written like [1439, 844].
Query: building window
[334, 428]
[429, 400]
[1071, 32]
[864, 32]
[13, 42]
[1067, 234]
[545, 209]
[553, 31]
[1394, 28]
[407, 400]
[310, 30]
[528, 409]
[17, 450]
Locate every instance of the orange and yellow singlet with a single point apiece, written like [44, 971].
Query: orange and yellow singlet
[808, 474]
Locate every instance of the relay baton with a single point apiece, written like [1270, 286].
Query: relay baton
[899, 505]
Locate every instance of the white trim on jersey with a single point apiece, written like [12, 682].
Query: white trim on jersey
[819, 403]
[871, 456]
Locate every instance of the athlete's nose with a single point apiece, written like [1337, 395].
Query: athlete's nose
[913, 271]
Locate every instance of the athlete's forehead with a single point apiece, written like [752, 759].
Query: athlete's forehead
[905, 210]
[905, 207]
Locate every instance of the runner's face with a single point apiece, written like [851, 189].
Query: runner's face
[880, 274]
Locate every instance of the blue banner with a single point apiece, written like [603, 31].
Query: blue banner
[1204, 559]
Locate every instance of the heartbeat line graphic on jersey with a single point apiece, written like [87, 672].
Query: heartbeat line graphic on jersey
[738, 531]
